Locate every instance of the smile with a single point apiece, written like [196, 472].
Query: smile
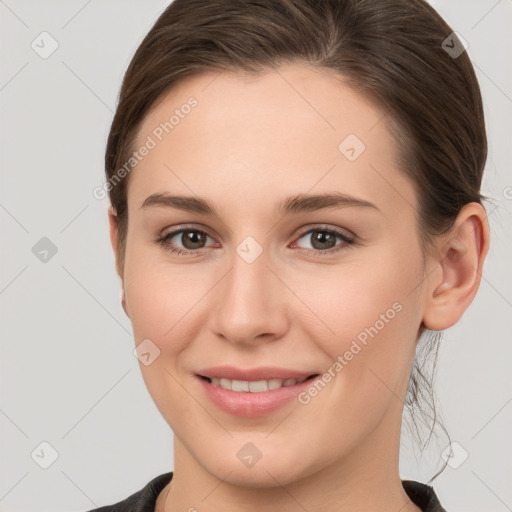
[253, 398]
[257, 386]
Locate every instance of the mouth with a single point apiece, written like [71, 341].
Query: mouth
[255, 386]
[253, 393]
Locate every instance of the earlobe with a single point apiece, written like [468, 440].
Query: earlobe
[460, 258]
[123, 302]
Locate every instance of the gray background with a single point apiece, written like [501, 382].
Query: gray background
[68, 374]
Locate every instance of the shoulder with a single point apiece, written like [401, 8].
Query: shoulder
[141, 501]
[422, 495]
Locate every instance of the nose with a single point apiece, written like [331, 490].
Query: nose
[252, 303]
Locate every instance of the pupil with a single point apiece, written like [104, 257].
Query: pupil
[323, 237]
[191, 239]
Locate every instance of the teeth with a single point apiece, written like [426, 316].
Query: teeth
[254, 386]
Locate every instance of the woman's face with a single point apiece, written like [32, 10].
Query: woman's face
[271, 283]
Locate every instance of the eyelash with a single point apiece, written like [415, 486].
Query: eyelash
[348, 241]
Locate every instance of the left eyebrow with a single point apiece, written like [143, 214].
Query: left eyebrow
[291, 205]
[310, 203]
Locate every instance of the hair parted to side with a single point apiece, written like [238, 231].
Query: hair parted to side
[390, 51]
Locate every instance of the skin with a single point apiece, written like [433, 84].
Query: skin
[249, 143]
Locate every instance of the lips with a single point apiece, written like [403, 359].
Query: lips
[252, 392]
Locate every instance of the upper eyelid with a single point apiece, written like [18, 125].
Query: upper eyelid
[180, 229]
[325, 227]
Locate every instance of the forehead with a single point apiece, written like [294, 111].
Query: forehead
[294, 129]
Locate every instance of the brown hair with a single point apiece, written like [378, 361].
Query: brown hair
[394, 52]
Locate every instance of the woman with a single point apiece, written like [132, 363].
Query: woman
[296, 208]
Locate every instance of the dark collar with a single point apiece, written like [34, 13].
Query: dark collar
[422, 495]
[145, 499]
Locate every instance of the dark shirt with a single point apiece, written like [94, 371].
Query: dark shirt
[144, 500]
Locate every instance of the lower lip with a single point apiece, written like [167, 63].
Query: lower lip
[251, 405]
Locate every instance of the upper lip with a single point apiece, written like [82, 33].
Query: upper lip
[254, 374]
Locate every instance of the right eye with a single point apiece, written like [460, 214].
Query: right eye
[192, 240]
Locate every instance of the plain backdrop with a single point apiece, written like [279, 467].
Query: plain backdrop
[72, 396]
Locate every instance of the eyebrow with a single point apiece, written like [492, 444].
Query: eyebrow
[301, 203]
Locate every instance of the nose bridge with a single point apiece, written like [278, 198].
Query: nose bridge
[248, 284]
[248, 298]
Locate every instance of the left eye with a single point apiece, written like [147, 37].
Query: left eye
[323, 240]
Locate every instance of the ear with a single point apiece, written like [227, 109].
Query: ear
[114, 234]
[459, 263]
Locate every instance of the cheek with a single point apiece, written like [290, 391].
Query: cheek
[372, 313]
[370, 358]
[375, 297]
[159, 295]
[160, 301]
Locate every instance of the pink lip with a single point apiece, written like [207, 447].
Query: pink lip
[254, 374]
[248, 404]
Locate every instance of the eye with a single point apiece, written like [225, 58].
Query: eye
[323, 240]
[192, 240]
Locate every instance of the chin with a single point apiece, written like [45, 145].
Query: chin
[251, 461]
